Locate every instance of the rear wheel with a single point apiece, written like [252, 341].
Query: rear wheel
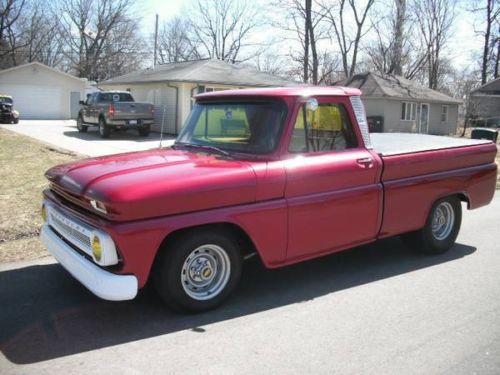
[104, 130]
[440, 230]
[80, 126]
[144, 130]
[198, 271]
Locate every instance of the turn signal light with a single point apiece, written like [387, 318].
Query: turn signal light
[96, 248]
[44, 214]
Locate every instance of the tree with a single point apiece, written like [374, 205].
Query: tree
[348, 40]
[223, 29]
[101, 38]
[10, 11]
[491, 45]
[174, 43]
[304, 23]
[434, 18]
[37, 31]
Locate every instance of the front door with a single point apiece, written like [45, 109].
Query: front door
[424, 118]
[333, 197]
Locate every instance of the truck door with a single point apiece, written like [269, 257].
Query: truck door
[333, 192]
[87, 109]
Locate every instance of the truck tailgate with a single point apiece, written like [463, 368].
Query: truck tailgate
[132, 110]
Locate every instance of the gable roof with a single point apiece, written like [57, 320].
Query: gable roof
[489, 88]
[43, 66]
[202, 71]
[375, 85]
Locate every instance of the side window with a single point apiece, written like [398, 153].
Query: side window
[326, 129]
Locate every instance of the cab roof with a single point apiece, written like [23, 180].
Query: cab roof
[304, 91]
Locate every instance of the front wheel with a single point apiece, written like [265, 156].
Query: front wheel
[104, 130]
[80, 126]
[440, 230]
[198, 271]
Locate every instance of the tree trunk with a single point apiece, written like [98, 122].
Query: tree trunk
[486, 49]
[306, 39]
[397, 67]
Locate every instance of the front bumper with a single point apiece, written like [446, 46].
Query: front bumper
[102, 283]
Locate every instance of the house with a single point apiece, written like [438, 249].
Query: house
[485, 103]
[172, 87]
[397, 104]
[42, 92]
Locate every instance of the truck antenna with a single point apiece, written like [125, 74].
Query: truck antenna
[162, 123]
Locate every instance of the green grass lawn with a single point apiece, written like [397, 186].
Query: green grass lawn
[23, 162]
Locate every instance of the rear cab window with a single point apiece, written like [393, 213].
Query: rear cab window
[113, 97]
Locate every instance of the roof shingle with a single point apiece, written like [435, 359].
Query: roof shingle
[202, 71]
[376, 85]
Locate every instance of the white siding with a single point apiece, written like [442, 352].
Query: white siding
[391, 111]
[40, 92]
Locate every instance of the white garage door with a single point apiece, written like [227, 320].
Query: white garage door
[37, 102]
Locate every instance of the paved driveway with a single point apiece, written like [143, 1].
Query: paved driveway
[377, 309]
[63, 134]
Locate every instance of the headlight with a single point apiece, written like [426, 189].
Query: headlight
[43, 213]
[15, 114]
[96, 248]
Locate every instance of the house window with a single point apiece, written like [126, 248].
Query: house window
[408, 111]
[444, 113]
[212, 89]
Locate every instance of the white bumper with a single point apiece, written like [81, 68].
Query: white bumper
[103, 284]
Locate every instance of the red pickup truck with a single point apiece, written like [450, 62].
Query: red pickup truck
[288, 173]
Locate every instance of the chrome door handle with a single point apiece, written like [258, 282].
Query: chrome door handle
[365, 162]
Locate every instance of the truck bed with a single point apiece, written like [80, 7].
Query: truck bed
[418, 168]
[389, 144]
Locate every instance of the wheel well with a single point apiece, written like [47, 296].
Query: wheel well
[464, 198]
[244, 241]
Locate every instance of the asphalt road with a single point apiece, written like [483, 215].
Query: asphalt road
[377, 309]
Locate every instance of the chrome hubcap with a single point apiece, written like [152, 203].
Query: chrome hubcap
[205, 272]
[442, 221]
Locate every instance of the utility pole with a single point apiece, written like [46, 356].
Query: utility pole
[156, 40]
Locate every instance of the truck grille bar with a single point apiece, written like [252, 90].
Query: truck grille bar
[73, 230]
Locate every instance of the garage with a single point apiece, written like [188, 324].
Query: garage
[42, 92]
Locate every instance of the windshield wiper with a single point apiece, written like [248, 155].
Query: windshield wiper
[202, 147]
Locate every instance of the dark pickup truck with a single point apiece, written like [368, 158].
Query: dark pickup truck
[115, 110]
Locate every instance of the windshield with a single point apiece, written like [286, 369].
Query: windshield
[5, 99]
[250, 127]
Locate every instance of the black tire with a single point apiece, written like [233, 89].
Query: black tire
[15, 121]
[144, 130]
[80, 126]
[439, 234]
[104, 130]
[179, 264]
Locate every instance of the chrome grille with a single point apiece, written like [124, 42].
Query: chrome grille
[71, 229]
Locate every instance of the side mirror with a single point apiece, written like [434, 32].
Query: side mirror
[81, 102]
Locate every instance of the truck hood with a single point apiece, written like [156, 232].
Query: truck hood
[156, 183]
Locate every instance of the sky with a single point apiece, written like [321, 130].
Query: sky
[464, 45]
